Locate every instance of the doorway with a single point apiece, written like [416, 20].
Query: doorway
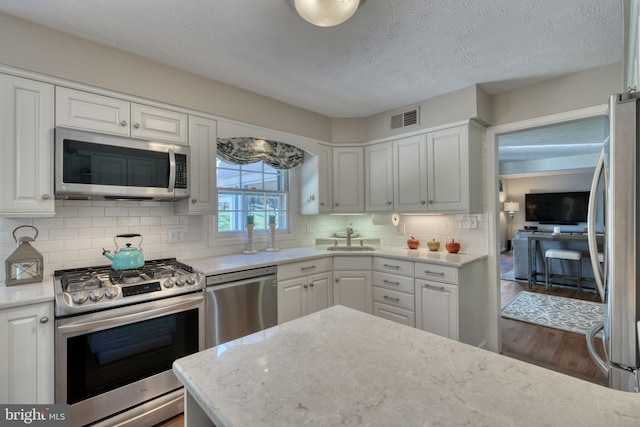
[497, 217]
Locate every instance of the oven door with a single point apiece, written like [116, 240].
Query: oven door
[112, 360]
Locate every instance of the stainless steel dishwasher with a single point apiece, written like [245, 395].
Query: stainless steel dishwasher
[240, 303]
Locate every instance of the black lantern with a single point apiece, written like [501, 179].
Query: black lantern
[24, 265]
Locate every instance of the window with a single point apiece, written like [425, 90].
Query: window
[255, 189]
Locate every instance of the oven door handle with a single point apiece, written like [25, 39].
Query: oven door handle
[131, 315]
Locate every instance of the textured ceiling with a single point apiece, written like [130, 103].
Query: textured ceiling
[390, 54]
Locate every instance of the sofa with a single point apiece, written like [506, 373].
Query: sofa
[520, 253]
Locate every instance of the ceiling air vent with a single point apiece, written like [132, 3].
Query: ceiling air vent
[407, 118]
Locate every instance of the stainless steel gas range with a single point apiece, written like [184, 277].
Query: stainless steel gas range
[117, 335]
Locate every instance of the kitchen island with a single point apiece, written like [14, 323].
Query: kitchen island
[341, 366]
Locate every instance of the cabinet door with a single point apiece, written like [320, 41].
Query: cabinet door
[448, 166]
[437, 308]
[292, 299]
[26, 354]
[320, 292]
[348, 179]
[158, 124]
[202, 169]
[395, 314]
[410, 172]
[378, 167]
[26, 141]
[353, 289]
[83, 110]
[315, 182]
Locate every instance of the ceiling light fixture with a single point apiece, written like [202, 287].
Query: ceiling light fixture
[325, 13]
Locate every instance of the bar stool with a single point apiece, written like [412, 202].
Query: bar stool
[562, 254]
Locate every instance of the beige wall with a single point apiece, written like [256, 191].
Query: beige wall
[40, 49]
[566, 93]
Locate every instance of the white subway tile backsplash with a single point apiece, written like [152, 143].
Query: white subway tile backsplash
[127, 221]
[86, 211]
[150, 220]
[107, 221]
[74, 222]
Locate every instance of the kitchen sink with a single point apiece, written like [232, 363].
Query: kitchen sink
[351, 248]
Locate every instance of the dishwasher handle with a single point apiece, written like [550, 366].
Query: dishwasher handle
[258, 279]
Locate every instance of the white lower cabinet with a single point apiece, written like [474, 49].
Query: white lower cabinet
[26, 354]
[352, 285]
[393, 293]
[304, 287]
[452, 301]
[437, 308]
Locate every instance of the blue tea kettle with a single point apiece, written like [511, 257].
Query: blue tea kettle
[127, 257]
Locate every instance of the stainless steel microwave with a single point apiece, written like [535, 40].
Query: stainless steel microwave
[91, 165]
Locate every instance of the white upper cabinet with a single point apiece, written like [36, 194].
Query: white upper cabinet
[202, 169]
[26, 141]
[348, 179]
[378, 168]
[410, 175]
[316, 178]
[454, 170]
[99, 113]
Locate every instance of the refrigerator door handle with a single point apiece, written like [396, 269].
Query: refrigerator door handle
[591, 224]
[591, 336]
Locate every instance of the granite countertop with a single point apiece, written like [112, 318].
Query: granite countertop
[340, 366]
[224, 264]
[32, 293]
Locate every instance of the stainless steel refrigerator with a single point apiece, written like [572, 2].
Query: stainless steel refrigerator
[616, 182]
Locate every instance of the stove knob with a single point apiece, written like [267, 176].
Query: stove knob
[111, 292]
[169, 283]
[191, 279]
[96, 295]
[180, 282]
[80, 297]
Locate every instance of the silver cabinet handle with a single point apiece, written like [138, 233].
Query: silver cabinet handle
[431, 202]
[389, 282]
[45, 197]
[194, 200]
[389, 203]
[123, 123]
[311, 285]
[391, 299]
[337, 279]
[305, 286]
[44, 319]
[434, 273]
[311, 267]
[137, 126]
[435, 288]
[422, 202]
[336, 204]
[395, 267]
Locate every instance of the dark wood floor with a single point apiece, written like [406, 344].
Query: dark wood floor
[550, 348]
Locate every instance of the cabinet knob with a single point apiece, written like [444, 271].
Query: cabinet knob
[123, 123]
[337, 280]
[194, 200]
[422, 202]
[311, 285]
[44, 319]
[336, 204]
[389, 203]
[431, 202]
[137, 126]
[321, 203]
[45, 197]
[305, 286]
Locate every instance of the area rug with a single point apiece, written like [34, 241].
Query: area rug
[567, 314]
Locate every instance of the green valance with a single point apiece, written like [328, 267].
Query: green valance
[244, 150]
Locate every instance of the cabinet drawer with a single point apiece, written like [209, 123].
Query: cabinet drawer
[395, 314]
[441, 273]
[393, 298]
[304, 268]
[395, 266]
[352, 263]
[393, 282]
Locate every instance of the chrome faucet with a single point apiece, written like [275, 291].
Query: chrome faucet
[349, 233]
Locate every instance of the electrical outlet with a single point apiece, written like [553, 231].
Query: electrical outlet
[473, 222]
[175, 235]
[400, 229]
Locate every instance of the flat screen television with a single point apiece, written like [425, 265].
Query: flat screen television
[566, 208]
